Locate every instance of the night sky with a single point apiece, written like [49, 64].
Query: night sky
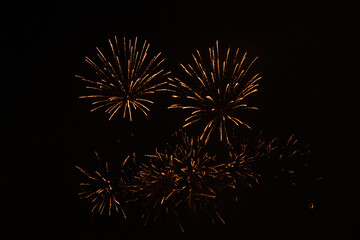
[308, 57]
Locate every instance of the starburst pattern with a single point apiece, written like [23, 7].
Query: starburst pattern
[125, 80]
[190, 177]
[102, 192]
[178, 179]
[215, 91]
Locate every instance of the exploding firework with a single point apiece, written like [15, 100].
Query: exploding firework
[102, 192]
[178, 179]
[290, 160]
[278, 160]
[237, 172]
[125, 80]
[215, 91]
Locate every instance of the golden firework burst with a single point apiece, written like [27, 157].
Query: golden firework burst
[102, 192]
[125, 80]
[215, 91]
[177, 180]
[237, 171]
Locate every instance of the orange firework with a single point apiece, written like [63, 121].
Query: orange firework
[215, 91]
[178, 179]
[101, 191]
[125, 80]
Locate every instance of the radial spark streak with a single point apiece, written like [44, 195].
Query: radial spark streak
[125, 80]
[177, 180]
[214, 91]
[102, 192]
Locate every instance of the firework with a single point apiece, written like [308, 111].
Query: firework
[178, 179]
[237, 172]
[279, 160]
[102, 191]
[290, 160]
[215, 91]
[125, 80]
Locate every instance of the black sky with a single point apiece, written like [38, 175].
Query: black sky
[308, 56]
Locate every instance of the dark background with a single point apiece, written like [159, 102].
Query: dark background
[308, 56]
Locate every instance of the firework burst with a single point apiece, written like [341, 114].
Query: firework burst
[102, 192]
[290, 159]
[125, 80]
[178, 179]
[237, 172]
[215, 91]
[277, 159]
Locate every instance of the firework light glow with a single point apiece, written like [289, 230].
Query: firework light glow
[214, 91]
[190, 176]
[102, 191]
[178, 178]
[125, 80]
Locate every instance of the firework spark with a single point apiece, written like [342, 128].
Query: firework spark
[101, 191]
[178, 179]
[280, 160]
[291, 160]
[215, 91]
[124, 81]
[237, 171]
